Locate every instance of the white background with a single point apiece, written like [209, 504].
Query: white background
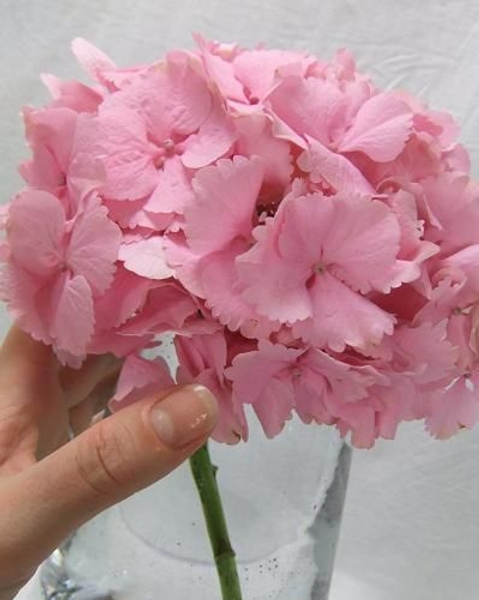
[411, 525]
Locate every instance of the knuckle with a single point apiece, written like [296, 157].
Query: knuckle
[104, 459]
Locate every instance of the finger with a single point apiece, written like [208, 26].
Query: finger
[18, 343]
[24, 363]
[110, 461]
[78, 384]
[32, 358]
[81, 415]
[30, 398]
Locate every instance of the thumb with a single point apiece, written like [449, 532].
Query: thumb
[108, 462]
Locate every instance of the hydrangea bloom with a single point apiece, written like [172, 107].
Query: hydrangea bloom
[311, 241]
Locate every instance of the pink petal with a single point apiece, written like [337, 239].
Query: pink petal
[380, 129]
[52, 134]
[226, 194]
[192, 98]
[201, 352]
[466, 261]
[72, 94]
[202, 359]
[309, 107]
[43, 172]
[86, 175]
[146, 258]
[456, 407]
[186, 263]
[458, 159]
[93, 248]
[455, 225]
[342, 317]
[264, 378]
[310, 390]
[140, 378]
[223, 293]
[130, 215]
[259, 69]
[324, 385]
[418, 160]
[173, 191]
[336, 170]
[118, 343]
[461, 335]
[118, 138]
[232, 426]
[154, 222]
[355, 238]
[54, 128]
[166, 309]
[171, 97]
[256, 139]
[93, 60]
[274, 291]
[213, 140]
[275, 407]
[270, 285]
[72, 319]
[35, 228]
[221, 72]
[444, 298]
[361, 422]
[425, 351]
[123, 299]
[404, 206]
[222, 289]
[252, 371]
[67, 359]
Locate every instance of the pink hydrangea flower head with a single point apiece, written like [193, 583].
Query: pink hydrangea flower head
[311, 241]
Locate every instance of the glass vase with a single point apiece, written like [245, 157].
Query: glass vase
[283, 500]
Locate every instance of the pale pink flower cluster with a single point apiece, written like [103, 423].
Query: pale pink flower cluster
[312, 241]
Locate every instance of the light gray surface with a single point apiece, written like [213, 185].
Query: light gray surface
[411, 527]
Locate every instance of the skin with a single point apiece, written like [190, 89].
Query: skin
[49, 486]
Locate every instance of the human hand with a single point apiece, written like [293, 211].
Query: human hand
[49, 486]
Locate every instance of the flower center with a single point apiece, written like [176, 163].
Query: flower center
[266, 209]
[166, 150]
[295, 372]
[319, 268]
[169, 147]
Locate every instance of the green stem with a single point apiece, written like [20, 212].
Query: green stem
[204, 474]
